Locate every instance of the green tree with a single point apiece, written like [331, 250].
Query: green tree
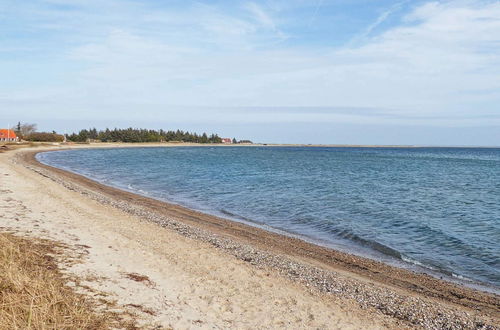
[141, 135]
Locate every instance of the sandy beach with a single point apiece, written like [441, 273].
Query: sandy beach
[179, 268]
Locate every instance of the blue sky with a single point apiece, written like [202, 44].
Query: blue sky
[296, 71]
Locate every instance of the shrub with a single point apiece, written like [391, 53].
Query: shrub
[45, 137]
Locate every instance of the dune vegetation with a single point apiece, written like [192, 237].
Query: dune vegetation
[35, 294]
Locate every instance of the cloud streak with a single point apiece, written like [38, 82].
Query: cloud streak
[380, 19]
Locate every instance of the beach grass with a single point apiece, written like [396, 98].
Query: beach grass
[34, 293]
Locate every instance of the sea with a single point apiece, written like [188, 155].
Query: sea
[435, 210]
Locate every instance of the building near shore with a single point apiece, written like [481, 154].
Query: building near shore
[226, 140]
[8, 135]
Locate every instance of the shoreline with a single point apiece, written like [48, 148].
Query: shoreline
[324, 269]
[347, 248]
[160, 276]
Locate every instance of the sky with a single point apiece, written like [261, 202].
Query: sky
[284, 71]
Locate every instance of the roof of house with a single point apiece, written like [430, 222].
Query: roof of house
[7, 133]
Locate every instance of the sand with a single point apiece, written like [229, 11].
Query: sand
[178, 268]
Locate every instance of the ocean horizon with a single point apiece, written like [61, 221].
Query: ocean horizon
[435, 209]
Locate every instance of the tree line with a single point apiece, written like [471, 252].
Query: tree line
[141, 135]
[29, 132]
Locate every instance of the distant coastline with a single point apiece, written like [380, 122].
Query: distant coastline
[71, 145]
[374, 146]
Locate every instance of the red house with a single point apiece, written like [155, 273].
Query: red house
[226, 140]
[8, 135]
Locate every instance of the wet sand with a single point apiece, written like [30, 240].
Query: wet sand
[372, 293]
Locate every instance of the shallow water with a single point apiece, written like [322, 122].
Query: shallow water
[434, 207]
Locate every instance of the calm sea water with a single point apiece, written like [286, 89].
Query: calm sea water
[434, 207]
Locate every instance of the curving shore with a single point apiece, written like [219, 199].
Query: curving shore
[393, 297]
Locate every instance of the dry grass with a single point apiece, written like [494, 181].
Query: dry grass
[34, 294]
